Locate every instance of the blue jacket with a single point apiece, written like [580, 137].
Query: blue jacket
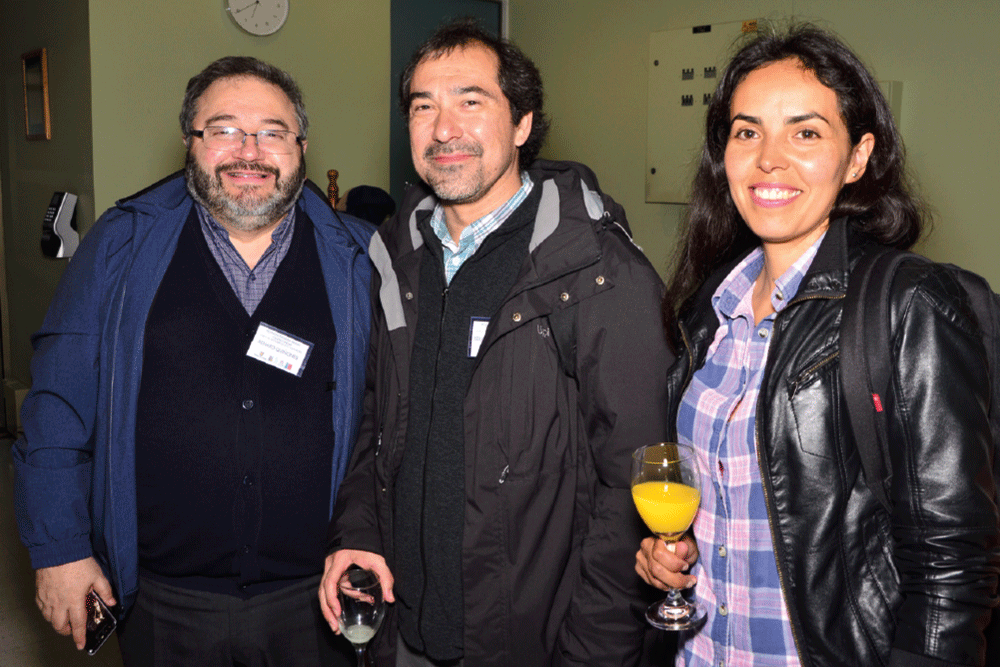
[74, 490]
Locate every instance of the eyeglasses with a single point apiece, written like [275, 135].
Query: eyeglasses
[276, 142]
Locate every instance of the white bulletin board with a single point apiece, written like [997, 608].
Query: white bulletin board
[684, 66]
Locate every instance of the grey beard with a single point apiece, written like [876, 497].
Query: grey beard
[247, 213]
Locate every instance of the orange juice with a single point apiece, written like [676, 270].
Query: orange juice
[668, 508]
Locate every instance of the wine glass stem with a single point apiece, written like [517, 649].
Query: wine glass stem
[360, 650]
[674, 598]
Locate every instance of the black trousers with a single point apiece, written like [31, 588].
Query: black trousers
[177, 627]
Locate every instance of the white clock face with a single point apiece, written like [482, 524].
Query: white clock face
[259, 17]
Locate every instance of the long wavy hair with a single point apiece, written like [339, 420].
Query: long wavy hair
[880, 202]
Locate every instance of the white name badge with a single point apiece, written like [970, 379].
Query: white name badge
[280, 349]
[477, 331]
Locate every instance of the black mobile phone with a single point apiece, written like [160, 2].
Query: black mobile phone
[100, 623]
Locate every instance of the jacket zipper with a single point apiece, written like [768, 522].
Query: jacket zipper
[765, 482]
[381, 419]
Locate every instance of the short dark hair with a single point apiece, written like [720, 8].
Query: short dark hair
[881, 201]
[237, 66]
[518, 77]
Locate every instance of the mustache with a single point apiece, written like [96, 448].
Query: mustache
[243, 165]
[447, 149]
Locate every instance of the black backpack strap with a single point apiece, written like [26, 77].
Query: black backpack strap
[866, 363]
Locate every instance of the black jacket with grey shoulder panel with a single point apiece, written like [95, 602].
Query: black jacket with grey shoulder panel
[550, 530]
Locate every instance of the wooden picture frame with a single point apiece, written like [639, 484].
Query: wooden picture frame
[35, 70]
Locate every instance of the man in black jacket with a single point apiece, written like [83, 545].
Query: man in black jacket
[517, 361]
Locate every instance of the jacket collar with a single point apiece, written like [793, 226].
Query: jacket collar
[828, 273]
[168, 193]
[570, 211]
[827, 277]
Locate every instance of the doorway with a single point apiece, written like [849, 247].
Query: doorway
[413, 21]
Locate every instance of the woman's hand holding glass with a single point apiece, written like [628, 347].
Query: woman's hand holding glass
[665, 565]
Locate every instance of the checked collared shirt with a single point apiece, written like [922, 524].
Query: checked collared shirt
[747, 624]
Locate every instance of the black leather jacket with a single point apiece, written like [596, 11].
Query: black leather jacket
[862, 587]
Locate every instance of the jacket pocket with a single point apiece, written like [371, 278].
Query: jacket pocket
[812, 399]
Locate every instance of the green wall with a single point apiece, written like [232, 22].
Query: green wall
[593, 59]
[142, 55]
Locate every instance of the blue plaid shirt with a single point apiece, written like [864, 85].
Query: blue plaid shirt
[473, 235]
[249, 284]
[738, 583]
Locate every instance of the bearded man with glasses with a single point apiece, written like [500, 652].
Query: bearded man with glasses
[196, 392]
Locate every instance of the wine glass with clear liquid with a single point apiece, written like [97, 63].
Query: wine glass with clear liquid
[361, 608]
[666, 488]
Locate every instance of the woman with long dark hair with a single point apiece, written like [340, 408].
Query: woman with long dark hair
[802, 173]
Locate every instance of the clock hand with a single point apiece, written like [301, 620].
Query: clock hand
[252, 4]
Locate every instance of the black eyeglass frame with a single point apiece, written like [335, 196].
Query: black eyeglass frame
[201, 135]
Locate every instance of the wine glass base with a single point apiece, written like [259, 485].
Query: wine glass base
[666, 617]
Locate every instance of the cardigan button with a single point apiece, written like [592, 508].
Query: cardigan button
[599, 280]
[516, 317]
[409, 296]
[248, 404]
[564, 297]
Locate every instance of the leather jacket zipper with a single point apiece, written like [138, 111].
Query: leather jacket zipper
[765, 480]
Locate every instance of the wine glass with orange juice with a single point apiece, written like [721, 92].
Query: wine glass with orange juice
[666, 488]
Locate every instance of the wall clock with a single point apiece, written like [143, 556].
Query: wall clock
[258, 17]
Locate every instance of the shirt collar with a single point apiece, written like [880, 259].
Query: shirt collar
[475, 233]
[278, 234]
[739, 283]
